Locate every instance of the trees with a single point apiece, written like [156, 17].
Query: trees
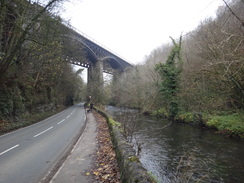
[214, 63]
[170, 72]
[210, 78]
[139, 86]
[18, 21]
[34, 73]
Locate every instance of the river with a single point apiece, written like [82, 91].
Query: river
[181, 153]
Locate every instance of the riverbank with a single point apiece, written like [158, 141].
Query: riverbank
[228, 124]
[166, 146]
[131, 169]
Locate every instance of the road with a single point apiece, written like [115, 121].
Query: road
[28, 155]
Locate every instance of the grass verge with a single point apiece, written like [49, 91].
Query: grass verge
[231, 124]
[6, 126]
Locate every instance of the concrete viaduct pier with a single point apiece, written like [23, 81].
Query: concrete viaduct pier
[85, 52]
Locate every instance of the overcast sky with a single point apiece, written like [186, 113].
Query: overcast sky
[133, 28]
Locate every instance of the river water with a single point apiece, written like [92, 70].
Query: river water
[181, 153]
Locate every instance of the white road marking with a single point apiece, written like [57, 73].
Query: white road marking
[31, 125]
[43, 131]
[73, 111]
[9, 149]
[67, 116]
[61, 121]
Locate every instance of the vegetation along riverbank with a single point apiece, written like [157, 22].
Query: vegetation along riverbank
[227, 124]
[197, 78]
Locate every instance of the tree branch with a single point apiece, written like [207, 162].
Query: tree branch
[233, 13]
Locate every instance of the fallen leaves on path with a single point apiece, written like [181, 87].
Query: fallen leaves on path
[106, 167]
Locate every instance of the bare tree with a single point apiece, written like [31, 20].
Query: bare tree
[19, 19]
[241, 21]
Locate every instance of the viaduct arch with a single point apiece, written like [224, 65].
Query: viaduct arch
[83, 51]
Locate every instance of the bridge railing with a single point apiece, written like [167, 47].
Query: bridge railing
[93, 40]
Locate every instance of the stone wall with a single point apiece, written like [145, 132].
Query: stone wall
[131, 168]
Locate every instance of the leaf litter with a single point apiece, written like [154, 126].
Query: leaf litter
[106, 168]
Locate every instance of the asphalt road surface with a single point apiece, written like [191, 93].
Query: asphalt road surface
[30, 154]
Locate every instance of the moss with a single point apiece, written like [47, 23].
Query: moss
[161, 112]
[186, 117]
[133, 159]
[153, 177]
[113, 123]
[193, 118]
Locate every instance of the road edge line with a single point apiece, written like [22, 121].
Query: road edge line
[48, 178]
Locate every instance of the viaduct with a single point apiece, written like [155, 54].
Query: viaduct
[82, 51]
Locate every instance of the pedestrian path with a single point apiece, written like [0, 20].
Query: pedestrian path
[81, 159]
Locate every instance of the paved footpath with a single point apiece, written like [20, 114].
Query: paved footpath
[81, 159]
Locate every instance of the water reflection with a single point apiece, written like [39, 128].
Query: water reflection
[209, 157]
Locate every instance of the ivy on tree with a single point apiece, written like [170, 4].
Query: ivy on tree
[170, 78]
